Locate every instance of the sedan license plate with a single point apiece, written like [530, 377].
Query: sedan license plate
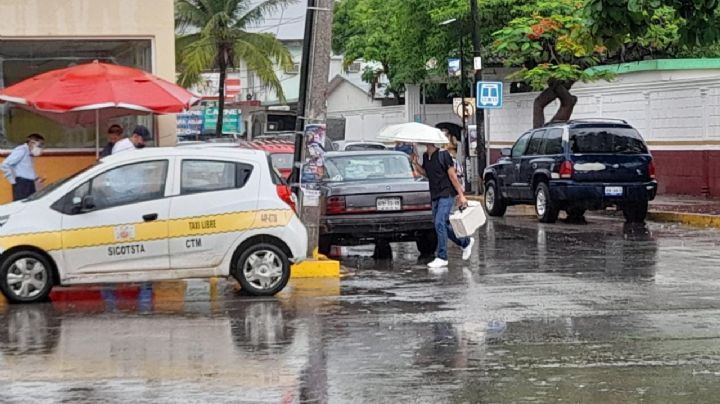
[389, 204]
[613, 191]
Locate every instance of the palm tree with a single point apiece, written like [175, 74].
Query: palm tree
[217, 39]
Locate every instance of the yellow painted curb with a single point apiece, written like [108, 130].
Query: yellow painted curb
[692, 219]
[316, 268]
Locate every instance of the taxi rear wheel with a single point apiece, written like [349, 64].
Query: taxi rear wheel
[262, 269]
[26, 277]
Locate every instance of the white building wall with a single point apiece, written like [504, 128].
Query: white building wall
[347, 97]
[672, 109]
[366, 124]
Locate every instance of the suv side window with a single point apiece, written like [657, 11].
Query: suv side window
[211, 175]
[519, 149]
[124, 185]
[553, 142]
[534, 146]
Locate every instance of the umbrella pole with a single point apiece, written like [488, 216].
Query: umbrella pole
[97, 133]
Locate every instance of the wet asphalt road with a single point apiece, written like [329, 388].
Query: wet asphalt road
[541, 313]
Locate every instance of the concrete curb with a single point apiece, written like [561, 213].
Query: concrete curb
[692, 219]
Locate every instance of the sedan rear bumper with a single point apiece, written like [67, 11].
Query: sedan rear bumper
[391, 226]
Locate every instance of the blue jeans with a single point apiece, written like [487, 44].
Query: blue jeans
[441, 217]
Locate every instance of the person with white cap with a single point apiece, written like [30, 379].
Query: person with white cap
[137, 140]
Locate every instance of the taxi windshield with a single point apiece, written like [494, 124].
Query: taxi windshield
[55, 185]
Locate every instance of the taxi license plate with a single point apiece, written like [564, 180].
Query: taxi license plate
[613, 191]
[388, 204]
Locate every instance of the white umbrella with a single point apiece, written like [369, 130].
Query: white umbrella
[413, 132]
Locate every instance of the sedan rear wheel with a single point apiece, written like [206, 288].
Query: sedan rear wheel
[427, 243]
[26, 277]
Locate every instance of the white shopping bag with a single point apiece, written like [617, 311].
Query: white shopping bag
[465, 221]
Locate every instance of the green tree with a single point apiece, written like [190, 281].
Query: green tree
[553, 48]
[402, 36]
[215, 36]
[556, 42]
[612, 21]
[552, 43]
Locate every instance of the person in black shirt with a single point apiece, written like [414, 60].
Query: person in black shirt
[439, 168]
[114, 134]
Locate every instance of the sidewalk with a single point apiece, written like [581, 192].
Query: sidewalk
[691, 210]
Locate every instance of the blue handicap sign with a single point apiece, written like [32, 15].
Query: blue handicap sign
[489, 94]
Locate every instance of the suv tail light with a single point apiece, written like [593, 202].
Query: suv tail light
[286, 195]
[566, 169]
[651, 170]
[335, 205]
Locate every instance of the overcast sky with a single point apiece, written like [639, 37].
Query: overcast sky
[285, 24]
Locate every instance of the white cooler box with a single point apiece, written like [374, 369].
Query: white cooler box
[465, 222]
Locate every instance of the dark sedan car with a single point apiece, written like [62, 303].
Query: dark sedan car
[375, 197]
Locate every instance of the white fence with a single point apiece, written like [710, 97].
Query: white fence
[366, 124]
[674, 110]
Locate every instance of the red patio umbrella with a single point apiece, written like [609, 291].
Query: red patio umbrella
[88, 93]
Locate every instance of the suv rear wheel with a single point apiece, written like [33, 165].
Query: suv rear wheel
[636, 212]
[494, 204]
[545, 209]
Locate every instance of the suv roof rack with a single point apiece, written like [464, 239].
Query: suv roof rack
[598, 120]
[583, 120]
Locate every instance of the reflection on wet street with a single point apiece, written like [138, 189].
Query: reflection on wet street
[576, 313]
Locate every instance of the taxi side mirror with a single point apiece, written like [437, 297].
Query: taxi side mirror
[84, 204]
[506, 152]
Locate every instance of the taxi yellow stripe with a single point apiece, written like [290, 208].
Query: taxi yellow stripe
[158, 230]
[46, 241]
[98, 236]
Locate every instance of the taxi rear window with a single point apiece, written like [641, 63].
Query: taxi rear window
[212, 175]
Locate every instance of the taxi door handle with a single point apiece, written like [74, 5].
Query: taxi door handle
[150, 217]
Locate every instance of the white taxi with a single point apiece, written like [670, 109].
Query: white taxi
[154, 214]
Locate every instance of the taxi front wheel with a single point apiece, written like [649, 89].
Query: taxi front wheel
[262, 269]
[26, 277]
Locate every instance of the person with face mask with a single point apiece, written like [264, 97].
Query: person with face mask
[137, 140]
[19, 169]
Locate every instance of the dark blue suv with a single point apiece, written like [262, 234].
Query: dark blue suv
[578, 165]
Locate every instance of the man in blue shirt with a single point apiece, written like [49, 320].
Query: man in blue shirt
[18, 167]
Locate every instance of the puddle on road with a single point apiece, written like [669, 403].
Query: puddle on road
[539, 313]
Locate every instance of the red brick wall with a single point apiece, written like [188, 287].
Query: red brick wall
[687, 172]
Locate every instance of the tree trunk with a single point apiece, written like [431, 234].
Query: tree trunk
[222, 64]
[555, 90]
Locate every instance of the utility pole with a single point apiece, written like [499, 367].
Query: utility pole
[464, 140]
[312, 109]
[479, 113]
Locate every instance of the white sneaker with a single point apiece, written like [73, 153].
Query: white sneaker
[438, 263]
[467, 251]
